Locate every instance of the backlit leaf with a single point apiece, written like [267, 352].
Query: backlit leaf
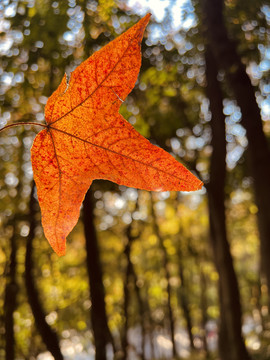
[88, 139]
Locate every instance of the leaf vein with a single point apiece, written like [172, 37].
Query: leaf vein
[115, 152]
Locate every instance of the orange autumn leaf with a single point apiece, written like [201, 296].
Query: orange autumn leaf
[86, 138]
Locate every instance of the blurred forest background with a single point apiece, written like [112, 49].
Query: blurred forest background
[146, 275]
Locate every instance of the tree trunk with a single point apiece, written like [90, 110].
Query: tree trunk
[130, 273]
[126, 301]
[10, 298]
[12, 287]
[165, 264]
[204, 312]
[231, 343]
[48, 335]
[143, 315]
[228, 59]
[184, 299]
[102, 334]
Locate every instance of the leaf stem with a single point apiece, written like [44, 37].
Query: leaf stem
[23, 123]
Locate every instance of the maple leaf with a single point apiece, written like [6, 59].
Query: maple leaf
[86, 138]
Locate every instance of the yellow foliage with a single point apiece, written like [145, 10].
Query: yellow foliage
[170, 227]
[213, 312]
[81, 325]
[253, 209]
[214, 276]
[152, 240]
[32, 12]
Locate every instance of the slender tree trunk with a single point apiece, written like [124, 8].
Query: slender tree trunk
[184, 299]
[48, 335]
[143, 315]
[149, 327]
[12, 288]
[167, 275]
[131, 273]
[231, 343]
[147, 322]
[204, 312]
[126, 301]
[102, 334]
[228, 59]
[10, 302]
